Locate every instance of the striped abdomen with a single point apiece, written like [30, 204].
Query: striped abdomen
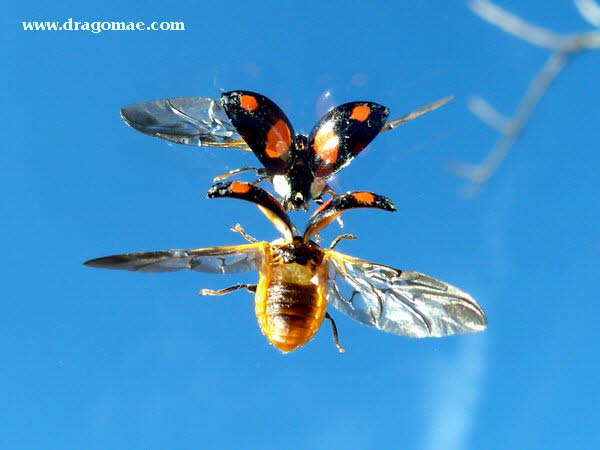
[290, 304]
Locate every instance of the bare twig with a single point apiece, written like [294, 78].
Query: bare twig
[515, 25]
[510, 129]
[589, 10]
[487, 113]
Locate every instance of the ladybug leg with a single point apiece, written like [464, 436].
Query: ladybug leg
[238, 229]
[327, 190]
[263, 178]
[248, 287]
[223, 176]
[339, 238]
[335, 333]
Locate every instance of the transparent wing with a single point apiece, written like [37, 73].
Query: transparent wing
[390, 125]
[231, 259]
[197, 121]
[400, 302]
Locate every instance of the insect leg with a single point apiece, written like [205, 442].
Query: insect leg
[238, 229]
[327, 190]
[319, 201]
[263, 178]
[248, 287]
[335, 333]
[236, 171]
[340, 237]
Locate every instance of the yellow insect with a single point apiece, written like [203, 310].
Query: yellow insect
[298, 278]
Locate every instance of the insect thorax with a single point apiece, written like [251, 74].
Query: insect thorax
[299, 252]
[296, 184]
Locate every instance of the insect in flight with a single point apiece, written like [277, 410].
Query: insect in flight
[297, 165]
[298, 278]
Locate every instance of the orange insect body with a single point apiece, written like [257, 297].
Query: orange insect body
[290, 301]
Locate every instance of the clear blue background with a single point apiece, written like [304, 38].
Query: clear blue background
[99, 359]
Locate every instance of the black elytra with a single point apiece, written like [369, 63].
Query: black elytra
[297, 164]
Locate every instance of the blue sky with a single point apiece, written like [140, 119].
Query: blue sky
[97, 359]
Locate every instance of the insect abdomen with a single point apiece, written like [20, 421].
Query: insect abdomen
[290, 312]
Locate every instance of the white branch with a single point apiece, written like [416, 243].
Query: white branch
[487, 113]
[510, 129]
[589, 10]
[515, 25]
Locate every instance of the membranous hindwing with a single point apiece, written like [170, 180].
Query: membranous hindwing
[230, 259]
[342, 134]
[198, 121]
[401, 302]
[264, 127]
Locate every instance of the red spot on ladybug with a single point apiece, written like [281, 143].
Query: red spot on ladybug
[248, 102]
[361, 113]
[238, 187]
[364, 197]
[279, 139]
